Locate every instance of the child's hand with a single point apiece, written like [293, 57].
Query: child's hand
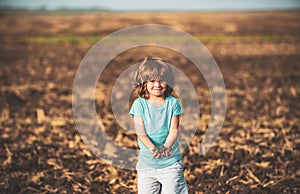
[161, 151]
[166, 151]
[156, 152]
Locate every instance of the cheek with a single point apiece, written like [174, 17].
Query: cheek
[164, 85]
[149, 86]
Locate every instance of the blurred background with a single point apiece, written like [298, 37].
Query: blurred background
[255, 43]
[156, 5]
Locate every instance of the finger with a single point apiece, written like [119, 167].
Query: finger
[154, 154]
[167, 154]
[158, 156]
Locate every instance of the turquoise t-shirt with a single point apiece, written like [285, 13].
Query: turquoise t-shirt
[157, 121]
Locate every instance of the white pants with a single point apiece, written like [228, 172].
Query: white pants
[169, 180]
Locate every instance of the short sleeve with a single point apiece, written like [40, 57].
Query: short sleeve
[177, 110]
[137, 109]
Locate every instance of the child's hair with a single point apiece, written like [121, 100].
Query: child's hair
[153, 68]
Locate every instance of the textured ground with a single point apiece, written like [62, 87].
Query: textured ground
[257, 150]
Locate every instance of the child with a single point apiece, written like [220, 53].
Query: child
[156, 117]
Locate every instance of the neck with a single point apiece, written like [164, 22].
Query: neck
[156, 99]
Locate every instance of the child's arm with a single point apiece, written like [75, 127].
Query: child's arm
[173, 134]
[140, 131]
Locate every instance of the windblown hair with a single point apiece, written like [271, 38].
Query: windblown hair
[153, 68]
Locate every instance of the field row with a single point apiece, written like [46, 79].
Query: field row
[204, 38]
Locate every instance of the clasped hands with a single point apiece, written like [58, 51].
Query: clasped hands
[161, 151]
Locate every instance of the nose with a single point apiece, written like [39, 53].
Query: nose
[157, 83]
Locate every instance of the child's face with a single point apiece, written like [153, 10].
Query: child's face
[156, 88]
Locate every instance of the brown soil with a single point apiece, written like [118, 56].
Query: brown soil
[257, 150]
